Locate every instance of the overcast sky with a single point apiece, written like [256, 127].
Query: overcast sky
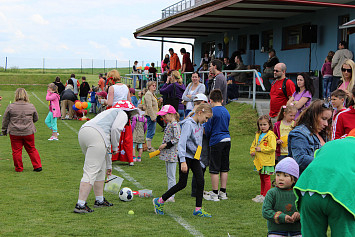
[65, 31]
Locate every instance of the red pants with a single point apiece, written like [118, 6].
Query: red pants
[17, 143]
[265, 184]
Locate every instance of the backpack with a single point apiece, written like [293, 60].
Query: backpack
[283, 86]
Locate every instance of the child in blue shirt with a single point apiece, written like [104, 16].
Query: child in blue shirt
[217, 131]
[93, 99]
[134, 99]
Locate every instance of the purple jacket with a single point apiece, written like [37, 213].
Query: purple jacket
[54, 103]
[140, 119]
[327, 69]
[168, 90]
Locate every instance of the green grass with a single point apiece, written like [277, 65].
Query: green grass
[41, 204]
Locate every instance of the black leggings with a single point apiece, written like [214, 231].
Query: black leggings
[196, 169]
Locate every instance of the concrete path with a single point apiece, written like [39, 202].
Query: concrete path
[262, 105]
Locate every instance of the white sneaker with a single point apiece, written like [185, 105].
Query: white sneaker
[222, 195]
[211, 197]
[131, 164]
[259, 198]
[170, 199]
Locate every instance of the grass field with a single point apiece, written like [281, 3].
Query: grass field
[41, 204]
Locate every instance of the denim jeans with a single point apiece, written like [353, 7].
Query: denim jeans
[151, 128]
[327, 84]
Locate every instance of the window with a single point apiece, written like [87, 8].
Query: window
[208, 47]
[267, 38]
[343, 34]
[292, 37]
[242, 43]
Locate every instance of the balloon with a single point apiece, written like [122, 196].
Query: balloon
[77, 101]
[89, 106]
[352, 133]
[147, 64]
[78, 105]
[74, 108]
[84, 105]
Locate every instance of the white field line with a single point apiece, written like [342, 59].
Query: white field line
[70, 127]
[177, 218]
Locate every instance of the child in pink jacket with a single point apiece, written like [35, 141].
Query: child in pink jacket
[54, 110]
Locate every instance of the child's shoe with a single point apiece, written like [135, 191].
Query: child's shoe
[201, 213]
[82, 209]
[170, 199]
[131, 164]
[211, 196]
[158, 207]
[259, 199]
[139, 159]
[52, 138]
[105, 203]
[222, 195]
[134, 159]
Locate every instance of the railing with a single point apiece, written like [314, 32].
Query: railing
[129, 78]
[181, 6]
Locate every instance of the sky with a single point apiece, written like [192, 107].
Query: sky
[62, 32]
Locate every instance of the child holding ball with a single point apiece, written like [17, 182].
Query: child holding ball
[54, 111]
[263, 151]
[169, 147]
[189, 147]
[279, 205]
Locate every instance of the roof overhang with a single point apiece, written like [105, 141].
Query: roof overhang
[225, 15]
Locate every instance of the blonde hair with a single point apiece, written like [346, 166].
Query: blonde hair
[115, 75]
[21, 94]
[53, 87]
[350, 63]
[205, 108]
[176, 75]
[151, 83]
[286, 109]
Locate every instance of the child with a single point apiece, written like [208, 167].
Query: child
[217, 131]
[169, 146]
[189, 143]
[285, 123]
[54, 110]
[134, 100]
[139, 127]
[279, 205]
[101, 101]
[93, 99]
[338, 98]
[327, 73]
[263, 151]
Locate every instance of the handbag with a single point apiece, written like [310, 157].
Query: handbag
[173, 100]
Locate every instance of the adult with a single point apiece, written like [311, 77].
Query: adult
[269, 68]
[96, 138]
[151, 110]
[153, 70]
[101, 82]
[67, 99]
[59, 84]
[174, 89]
[325, 191]
[186, 65]
[174, 60]
[76, 84]
[118, 91]
[165, 64]
[302, 97]
[18, 121]
[218, 81]
[340, 56]
[84, 90]
[205, 60]
[135, 71]
[312, 131]
[219, 53]
[345, 121]
[194, 88]
[239, 77]
[280, 92]
[348, 78]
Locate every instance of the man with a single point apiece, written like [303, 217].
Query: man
[76, 84]
[174, 60]
[84, 90]
[269, 69]
[135, 71]
[101, 82]
[219, 54]
[337, 62]
[240, 77]
[219, 81]
[186, 65]
[278, 97]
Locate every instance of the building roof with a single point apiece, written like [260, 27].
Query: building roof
[218, 16]
[349, 24]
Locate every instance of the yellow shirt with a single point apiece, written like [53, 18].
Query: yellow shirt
[284, 131]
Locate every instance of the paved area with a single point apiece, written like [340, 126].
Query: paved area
[262, 105]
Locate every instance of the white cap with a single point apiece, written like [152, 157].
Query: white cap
[200, 97]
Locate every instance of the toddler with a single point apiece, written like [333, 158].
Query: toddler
[54, 111]
[139, 127]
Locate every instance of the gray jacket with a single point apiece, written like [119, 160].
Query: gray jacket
[190, 139]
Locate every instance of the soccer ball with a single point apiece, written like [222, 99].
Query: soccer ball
[126, 194]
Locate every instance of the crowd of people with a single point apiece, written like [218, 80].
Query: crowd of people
[195, 122]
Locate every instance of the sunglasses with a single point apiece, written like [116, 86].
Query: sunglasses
[346, 70]
[277, 71]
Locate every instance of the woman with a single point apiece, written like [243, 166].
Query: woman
[302, 97]
[118, 91]
[348, 79]
[174, 88]
[18, 121]
[60, 85]
[95, 138]
[205, 60]
[312, 131]
[194, 88]
[345, 121]
[151, 110]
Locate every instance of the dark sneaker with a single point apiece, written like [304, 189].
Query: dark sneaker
[38, 169]
[105, 203]
[84, 209]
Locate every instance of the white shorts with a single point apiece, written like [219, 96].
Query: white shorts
[93, 146]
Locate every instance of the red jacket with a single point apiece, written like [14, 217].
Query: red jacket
[344, 123]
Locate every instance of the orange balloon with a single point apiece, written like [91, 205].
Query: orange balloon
[84, 105]
[352, 133]
[78, 105]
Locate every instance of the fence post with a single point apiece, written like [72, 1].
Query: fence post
[5, 64]
[81, 65]
[104, 66]
[92, 66]
[116, 64]
[129, 67]
[43, 65]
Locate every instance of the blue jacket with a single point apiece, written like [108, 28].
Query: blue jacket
[301, 146]
[217, 128]
[190, 139]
